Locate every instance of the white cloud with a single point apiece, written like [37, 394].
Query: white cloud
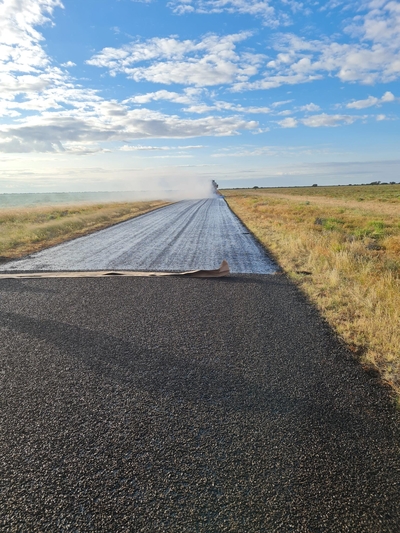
[376, 58]
[331, 4]
[282, 102]
[119, 59]
[45, 110]
[253, 109]
[68, 64]
[53, 114]
[211, 61]
[147, 148]
[20, 49]
[318, 121]
[14, 145]
[26, 83]
[253, 7]
[192, 97]
[310, 107]
[284, 152]
[309, 61]
[388, 97]
[372, 56]
[226, 106]
[371, 101]
[379, 25]
[289, 122]
[187, 97]
[262, 9]
[275, 81]
[362, 104]
[109, 122]
[25, 69]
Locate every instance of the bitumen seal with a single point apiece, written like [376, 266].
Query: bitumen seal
[177, 404]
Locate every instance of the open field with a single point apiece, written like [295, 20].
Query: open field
[342, 247]
[359, 193]
[25, 230]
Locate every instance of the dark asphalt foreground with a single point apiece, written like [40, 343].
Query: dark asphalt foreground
[187, 405]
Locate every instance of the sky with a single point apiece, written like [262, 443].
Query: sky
[110, 95]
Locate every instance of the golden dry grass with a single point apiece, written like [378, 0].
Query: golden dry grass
[345, 254]
[29, 229]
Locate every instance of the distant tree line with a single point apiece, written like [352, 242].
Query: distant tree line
[316, 185]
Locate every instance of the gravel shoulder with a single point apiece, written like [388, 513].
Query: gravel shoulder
[183, 405]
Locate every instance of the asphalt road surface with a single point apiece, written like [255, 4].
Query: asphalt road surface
[188, 235]
[187, 405]
[184, 405]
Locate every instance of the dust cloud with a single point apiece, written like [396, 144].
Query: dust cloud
[153, 189]
[182, 188]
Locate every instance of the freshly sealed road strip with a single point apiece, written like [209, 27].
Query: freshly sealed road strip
[188, 235]
[187, 405]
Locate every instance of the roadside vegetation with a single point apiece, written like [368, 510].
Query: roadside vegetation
[29, 229]
[341, 245]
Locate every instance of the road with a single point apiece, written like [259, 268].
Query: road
[187, 235]
[177, 405]
[187, 405]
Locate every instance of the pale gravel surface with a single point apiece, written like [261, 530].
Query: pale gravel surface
[188, 235]
[187, 405]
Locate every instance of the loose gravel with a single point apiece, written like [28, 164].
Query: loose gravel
[187, 405]
[187, 235]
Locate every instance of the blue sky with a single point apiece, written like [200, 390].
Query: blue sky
[133, 95]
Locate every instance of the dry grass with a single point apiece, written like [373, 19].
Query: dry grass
[344, 253]
[360, 193]
[27, 230]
